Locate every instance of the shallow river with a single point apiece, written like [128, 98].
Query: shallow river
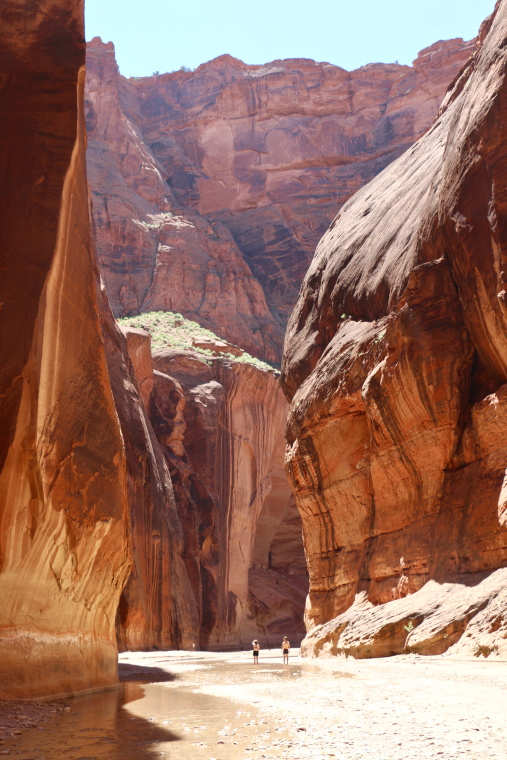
[144, 721]
[205, 706]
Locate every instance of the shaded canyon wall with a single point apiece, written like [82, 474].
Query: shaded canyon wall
[64, 550]
[219, 425]
[396, 364]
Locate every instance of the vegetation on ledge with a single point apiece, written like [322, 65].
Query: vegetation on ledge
[172, 330]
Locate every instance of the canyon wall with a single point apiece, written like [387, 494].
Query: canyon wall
[64, 549]
[155, 254]
[212, 188]
[158, 607]
[396, 364]
[220, 426]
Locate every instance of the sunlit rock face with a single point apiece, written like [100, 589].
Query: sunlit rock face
[212, 188]
[220, 425]
[154, 253]
[396, 364]
[64, 553]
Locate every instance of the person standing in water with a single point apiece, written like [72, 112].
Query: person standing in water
[285, 649]
[256, 649]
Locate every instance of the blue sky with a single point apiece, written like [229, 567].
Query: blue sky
[157, 35]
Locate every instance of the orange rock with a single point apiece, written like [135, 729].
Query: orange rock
[234, 416]
[64, 553]
[222, 180]
[159, 606]
[146, 241]
[395, 363]
[139, 352]
[235, 532]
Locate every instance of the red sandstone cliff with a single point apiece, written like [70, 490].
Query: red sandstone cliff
[83, 476]
[64, 553]
[219, 425]
[159, 606]
[212, 188]
[154, 253]
[396, 364]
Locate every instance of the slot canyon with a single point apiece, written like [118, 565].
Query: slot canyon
[253, 323]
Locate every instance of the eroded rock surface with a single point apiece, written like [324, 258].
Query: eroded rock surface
[395, 361]
[212, 188]
[220, 426]
[158, 607]
[64, 551]
[154, 253]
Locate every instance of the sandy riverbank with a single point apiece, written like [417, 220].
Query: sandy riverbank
[400, 708]
[210, 706]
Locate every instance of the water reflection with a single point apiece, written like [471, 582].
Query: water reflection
[97, 728]
[167, 720]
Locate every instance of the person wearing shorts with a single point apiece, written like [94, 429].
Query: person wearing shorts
[285, 649]
[256, 649]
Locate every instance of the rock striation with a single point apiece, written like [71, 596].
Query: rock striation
[219, 424]
[158, 607]
[222, 180]
[154, 253]
[64, 549]
[395, 362]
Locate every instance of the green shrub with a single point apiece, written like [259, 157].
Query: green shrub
[170, 329]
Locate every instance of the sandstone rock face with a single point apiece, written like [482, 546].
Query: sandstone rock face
[64, 553]
[157, 607]
[220, 425]
[395, 361]
[155, 254]
[212, 188]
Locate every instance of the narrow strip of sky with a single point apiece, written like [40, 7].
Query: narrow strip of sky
[158, 35]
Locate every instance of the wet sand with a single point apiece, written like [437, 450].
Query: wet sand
[221, 707]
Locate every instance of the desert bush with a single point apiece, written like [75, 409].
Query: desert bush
[169, 329]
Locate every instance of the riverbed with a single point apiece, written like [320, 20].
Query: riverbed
[209, 706]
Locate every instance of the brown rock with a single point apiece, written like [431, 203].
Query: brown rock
[139, 352]
[395, 363]
[222, 180]
[220, 425]
[156, 255]
[64, 554]
[234, 418]
[157, 607]
[217, 346]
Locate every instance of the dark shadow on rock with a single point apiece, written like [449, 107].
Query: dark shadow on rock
[143, 673]
[463, 579]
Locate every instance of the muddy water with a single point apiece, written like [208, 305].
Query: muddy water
[171, 720]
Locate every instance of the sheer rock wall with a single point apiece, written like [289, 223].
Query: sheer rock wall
[220, 425]
[157, 607]
[396, 364]
[64, 550]
[212, 188]
[154, 253]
